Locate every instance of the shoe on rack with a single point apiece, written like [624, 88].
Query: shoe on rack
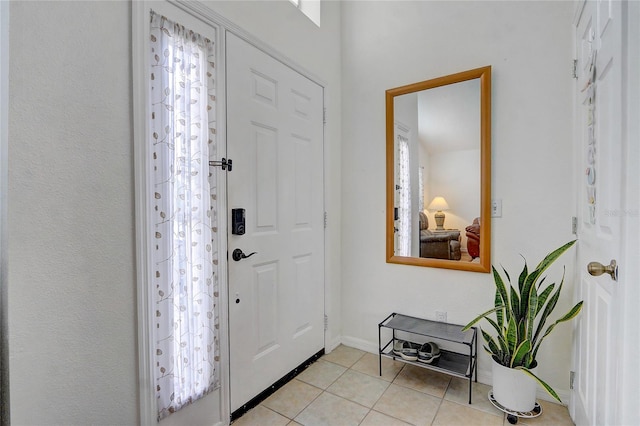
[409, 351]
[397, 347]
[428, 353]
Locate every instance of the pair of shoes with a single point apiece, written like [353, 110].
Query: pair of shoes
[428, 353]
[406, 350]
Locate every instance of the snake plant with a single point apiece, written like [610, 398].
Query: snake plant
[521, 314]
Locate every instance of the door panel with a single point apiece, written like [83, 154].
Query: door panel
[275, 138]
[265, 144]
[600, 232]
[266, 311]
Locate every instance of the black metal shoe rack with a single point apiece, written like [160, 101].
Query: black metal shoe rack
[454, 363]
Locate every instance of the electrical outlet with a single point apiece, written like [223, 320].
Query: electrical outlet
[496, 208]
[441, 316]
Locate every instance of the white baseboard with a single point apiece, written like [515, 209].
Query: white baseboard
[334, 343]
[361, 344]
[564, 394]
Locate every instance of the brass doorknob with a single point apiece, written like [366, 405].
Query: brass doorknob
[597, 269]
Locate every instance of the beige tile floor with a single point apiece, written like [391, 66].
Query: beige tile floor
[344, 388]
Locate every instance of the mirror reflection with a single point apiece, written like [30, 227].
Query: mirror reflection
[438, 148]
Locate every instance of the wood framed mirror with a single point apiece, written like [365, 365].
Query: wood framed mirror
[439, 172]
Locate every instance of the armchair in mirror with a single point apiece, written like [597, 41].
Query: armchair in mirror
[439, 172]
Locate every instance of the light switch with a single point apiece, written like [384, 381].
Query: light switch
[496, 208]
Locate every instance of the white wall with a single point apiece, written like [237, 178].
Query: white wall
[456, 174]
[72, 318]
[529, 47]
[71, 282]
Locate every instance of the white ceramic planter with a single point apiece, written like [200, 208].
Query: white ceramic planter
[513, 389]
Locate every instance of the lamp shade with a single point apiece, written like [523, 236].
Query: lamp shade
[439, 204]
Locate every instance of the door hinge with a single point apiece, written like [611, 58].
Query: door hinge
[325, 220]
[324, 115]
[574, 71]
[326, 322]
[574, 225]
[572, 377]
[224, 163]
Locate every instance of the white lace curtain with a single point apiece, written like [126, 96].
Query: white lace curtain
[404, 208]
[421, 188]
[184, 251]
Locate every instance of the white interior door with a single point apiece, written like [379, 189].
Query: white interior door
[275, 139]
[601, 184]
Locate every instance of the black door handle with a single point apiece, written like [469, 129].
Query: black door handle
[239, 255]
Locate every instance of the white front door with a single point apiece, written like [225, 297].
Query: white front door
[275, 140]
[402, 204]
[599, 348]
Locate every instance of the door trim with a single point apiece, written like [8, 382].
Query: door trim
[4, 143]
[140, 62]
[629, 337]
[145, 310]
[579, 7]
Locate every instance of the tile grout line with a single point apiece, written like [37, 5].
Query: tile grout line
[370, 409]
[329, 385]
[435, 416]
[379, 377]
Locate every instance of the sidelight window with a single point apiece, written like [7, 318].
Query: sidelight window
[182, 218]
[404, 198]
[311, 8]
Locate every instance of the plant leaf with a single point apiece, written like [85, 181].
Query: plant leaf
[541, 382]
[569, 315]
[487, 350]
[479, 317]
[499, 337]
[551, 257]
[522, 330]
[541, 281]
[520, 353]
[523, 275]
[515, 304]
[525, 288]
[547, 261]
[499, 314]
[542, 297]
[531, 314]
[503, 343]
[501, 288]
[551, 304]
[543, 265]
[512, 335]
[506, 273]
[493, 347]
[494, 324]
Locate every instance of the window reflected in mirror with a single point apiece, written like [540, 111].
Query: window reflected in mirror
[438, 172]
